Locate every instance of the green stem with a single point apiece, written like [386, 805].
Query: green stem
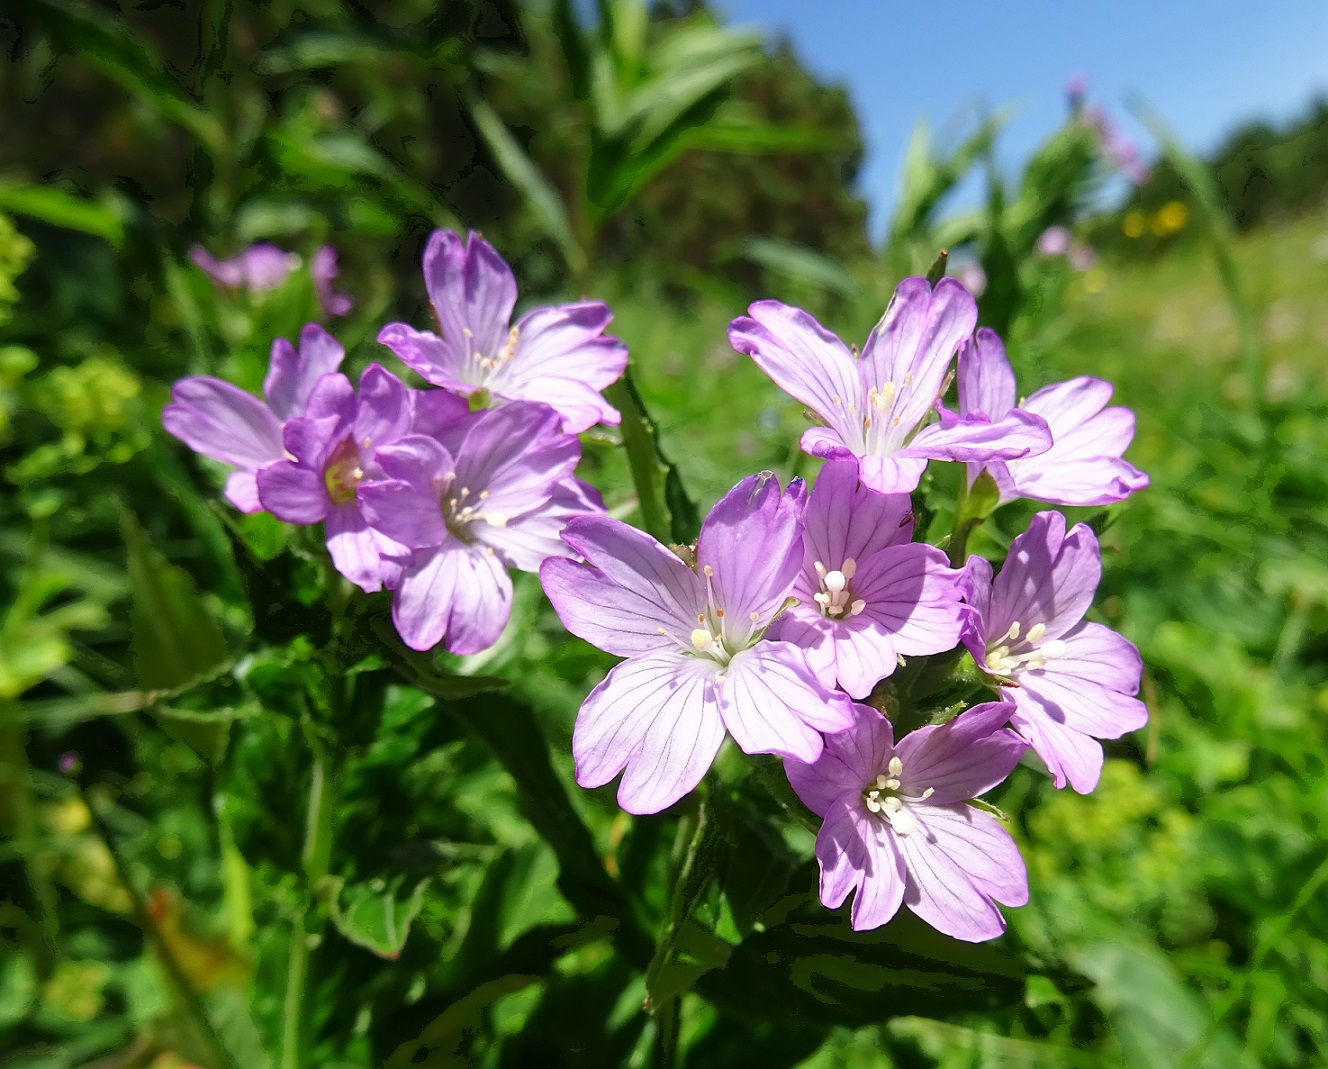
[18, 820]
[175, 974]
[974, 505]
[691, 832]
[307, 927]
[1272, 933]
[648, 473]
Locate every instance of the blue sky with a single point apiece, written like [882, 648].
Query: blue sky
[1203, 65]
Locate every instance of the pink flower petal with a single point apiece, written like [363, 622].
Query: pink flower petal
[656, 717]
[913, 344]
[807, 362]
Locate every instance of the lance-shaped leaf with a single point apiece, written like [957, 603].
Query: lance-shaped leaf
[666, 510]
[521, 171]
[175, 639]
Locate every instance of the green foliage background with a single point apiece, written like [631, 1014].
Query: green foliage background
[181, 687]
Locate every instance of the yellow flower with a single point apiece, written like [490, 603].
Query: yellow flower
[1170, 218]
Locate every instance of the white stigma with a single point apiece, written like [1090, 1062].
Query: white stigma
[883, 397]
[703, 640]
[834, 597]
[885, 797]
[1011, 655]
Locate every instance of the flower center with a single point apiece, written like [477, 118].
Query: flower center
[884, 797]
[717, 637]
[343, 471]
[834, 597]
[483, 365]
[461, 508]
[1012, 653]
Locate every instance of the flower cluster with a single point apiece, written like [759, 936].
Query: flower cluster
[798, 619]
[783, 625]
[431, 493]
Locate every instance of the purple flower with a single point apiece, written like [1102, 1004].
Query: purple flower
[1071, 682]
[1120, 150]
[698, 662]
[559, 356]
[324, 269]
[492, 492]
[1057, 241]
[972, 277]
[896, 827]
[1075, 91]
[1084, 464]
[225, 423]
[1081, 257]
[867, 594]
[259, 267]
[1054, 241]
[873, 408]
[332, 450]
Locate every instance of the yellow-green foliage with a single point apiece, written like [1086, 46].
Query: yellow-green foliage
[97, 407]
[1127, 849]
[15, 252]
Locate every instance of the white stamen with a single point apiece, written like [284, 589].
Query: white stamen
[1011, 655]
[849, 567]
[895, 766]
[903, 821]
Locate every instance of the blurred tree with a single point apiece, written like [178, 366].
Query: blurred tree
[698, 212]
[589, 124]
[1263, 173]
[242, 121]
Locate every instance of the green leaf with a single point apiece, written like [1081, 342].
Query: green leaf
[321, 49]
[175, 640]
[821, 972]
[377, 915]
[1158, 1021]
[666, 510]
[516, 895]
[521, 171]
[572, 45]
[108, 45]
[649, 111]
[512, 732]
[1199, 178]
[58, 208]
[725, 135]
[802, 264]
[753, 862]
